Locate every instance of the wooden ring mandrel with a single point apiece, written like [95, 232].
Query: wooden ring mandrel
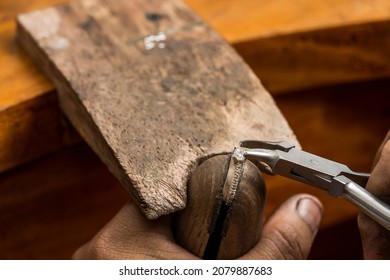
[224, 214]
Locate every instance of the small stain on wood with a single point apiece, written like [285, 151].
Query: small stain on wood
[154, 16]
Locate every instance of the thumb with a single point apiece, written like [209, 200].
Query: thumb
[290, 231]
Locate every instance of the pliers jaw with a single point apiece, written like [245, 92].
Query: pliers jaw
[265, 154]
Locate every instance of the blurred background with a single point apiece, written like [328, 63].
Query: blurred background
[326, 63]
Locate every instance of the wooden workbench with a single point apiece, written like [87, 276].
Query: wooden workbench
[48, 205]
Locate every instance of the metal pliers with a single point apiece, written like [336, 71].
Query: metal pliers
[282, 158]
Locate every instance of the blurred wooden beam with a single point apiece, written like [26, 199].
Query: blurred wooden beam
[52, 206]
[294, 45]
[31, 124]
[291, 45]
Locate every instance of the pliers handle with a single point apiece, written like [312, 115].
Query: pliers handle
[282, 158]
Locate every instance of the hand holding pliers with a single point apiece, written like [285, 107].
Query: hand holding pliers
[282, 158]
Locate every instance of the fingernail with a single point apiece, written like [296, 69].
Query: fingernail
[311, 212]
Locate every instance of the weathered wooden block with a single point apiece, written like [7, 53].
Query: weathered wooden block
[151, 88]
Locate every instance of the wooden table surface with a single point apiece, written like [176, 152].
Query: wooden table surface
[299, 50]
[336, 42]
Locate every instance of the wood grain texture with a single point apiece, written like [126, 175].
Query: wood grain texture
[310, 59]
[249, 19]
[50, 207]
[37, 127]
[259, 30]
[231, 229]
[246, 218]
[55, 204]
[323, 119]
[31, 124]
[21, 80]
[42, 203]
[150, 113]
[295, 45]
